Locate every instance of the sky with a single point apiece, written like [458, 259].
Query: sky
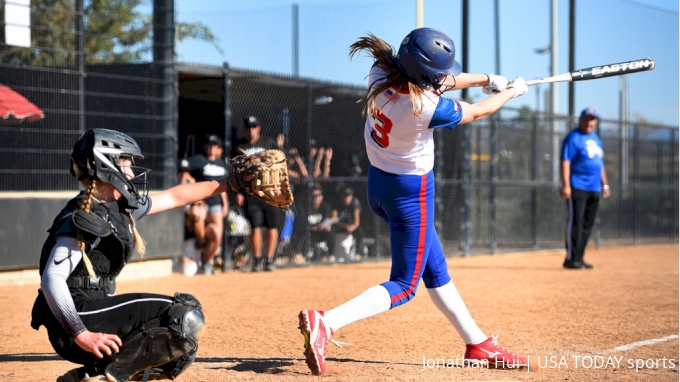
[258, 35]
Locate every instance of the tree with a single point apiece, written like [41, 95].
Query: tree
[116, 32]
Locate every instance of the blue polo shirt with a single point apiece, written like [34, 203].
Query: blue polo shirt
[586, 153]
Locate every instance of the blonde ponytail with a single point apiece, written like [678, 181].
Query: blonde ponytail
[140, 245]
[85, 204]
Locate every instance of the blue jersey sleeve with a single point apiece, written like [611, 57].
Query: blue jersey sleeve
[569, 147]
[447, 114]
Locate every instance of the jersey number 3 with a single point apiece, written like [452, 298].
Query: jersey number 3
[381, 128]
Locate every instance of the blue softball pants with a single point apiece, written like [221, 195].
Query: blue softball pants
[406, 203]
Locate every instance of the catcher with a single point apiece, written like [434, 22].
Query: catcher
[136, 335]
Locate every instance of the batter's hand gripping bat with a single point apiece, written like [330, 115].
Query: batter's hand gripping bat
[598, 72]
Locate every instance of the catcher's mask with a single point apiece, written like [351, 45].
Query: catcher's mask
[97, 154]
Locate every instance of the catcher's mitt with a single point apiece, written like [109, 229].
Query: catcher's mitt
[270, 182]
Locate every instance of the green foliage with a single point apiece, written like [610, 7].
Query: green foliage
[116, 32]
[197, 31]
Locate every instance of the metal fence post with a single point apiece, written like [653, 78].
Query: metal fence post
[226, 84]
[438, 178]
[493, 174]
[636, 185]
[80, 63]
[467, 190]
[303, 213]
[163, 56]
[534, 177]
[673, 183]
[598, 227]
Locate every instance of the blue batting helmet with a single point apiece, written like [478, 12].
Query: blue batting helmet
[425, 54]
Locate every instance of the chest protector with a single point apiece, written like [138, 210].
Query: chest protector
[109, 240]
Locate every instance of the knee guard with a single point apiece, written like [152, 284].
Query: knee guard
[168, 343]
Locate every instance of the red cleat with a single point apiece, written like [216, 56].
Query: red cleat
[490, 354]
[316, 336]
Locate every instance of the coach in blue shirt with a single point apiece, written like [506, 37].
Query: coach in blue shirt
[584, 179]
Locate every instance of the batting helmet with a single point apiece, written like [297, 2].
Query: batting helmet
[97, 154]
[425, 55]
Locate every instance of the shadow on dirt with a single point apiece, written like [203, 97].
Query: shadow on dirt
[29, 357]
[272, 365]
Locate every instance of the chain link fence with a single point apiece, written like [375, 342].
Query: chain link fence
[510, 172]
[84, 79]
[497, 180]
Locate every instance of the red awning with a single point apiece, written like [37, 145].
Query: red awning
[15, 108]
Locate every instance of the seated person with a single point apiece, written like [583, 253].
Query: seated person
[348, 220]
[194, 227]
[320, 221]
[194, 238]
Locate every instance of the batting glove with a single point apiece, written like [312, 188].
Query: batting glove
[519, 85]
[496, 84]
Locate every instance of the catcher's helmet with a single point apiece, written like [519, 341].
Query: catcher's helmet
[97, 154]
[425, 54]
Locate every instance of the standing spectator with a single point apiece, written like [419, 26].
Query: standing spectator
[320, 220]
[259, 213]
[348, 214]
[212, 166]
[584, 179]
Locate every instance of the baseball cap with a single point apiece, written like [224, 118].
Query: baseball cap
[347, 191]
[251, 121]
[213, 139]
[589, 112]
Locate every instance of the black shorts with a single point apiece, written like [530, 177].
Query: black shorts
[121, 314]
[261, 214]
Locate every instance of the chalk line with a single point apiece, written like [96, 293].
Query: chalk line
[644, 343]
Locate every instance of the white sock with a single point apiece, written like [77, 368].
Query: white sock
[369, 303]
[448, 301]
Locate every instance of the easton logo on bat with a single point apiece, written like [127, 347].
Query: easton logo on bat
[620, 68]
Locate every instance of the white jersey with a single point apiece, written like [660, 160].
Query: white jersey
[396, 141]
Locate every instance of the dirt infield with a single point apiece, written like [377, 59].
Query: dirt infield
[573, 325]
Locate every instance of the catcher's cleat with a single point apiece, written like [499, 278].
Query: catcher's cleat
[80, 375]
[490, 354]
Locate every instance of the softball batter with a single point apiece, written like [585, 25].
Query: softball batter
[404, 105]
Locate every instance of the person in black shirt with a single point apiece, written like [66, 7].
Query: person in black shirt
[259, 213]
[320, 221]
[211, 166]
[348, 215]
